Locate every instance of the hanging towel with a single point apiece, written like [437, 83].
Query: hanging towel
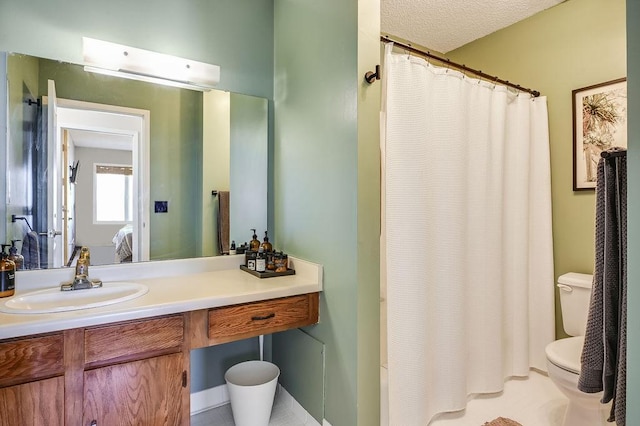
[604, 354]
[31, 250]
[223, 222]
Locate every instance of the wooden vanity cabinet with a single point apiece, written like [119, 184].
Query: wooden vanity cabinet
[32, 381]
[131, 372]
[230, 323]
[136, 373]
[35, 403]
[146, 392]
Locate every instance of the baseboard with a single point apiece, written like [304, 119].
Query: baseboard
[217, 396]
[209, 399]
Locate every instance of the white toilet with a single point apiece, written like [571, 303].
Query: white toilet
[563, 356]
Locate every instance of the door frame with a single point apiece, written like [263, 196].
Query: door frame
[135, 122]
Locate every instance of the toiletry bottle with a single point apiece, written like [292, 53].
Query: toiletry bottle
[254, 245]
[281, 265]
[250, 257]
[271, 261]
[7, 274]
[232, 248]
[261, 260]
[16, 257]
[266, 245]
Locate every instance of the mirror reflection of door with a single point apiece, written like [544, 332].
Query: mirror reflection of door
[68, 207]
[104, 176]
[54, 245]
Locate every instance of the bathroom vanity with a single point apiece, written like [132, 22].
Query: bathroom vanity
[129, 363]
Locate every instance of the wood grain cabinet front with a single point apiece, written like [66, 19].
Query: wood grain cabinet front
[32, 404]
[25, 360]
[245, 320]
[136, 373]
[31, 381]
[133, 340]
[143, 393]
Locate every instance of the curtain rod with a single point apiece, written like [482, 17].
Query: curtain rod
[450, 63]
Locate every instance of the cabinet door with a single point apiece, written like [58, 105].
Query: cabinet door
[35, 403]
[146, 392]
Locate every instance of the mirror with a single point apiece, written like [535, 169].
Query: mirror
[197, 144]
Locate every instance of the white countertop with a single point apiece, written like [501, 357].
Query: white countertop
[174, 286]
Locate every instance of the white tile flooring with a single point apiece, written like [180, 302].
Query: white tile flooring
[534, 401]
[284, 413]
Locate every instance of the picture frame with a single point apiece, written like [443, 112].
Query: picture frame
[599, 123]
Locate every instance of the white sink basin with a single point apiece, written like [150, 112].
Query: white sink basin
[53, 300]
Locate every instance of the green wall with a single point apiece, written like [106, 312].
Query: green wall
[234, 34]
[633, 213]
[316, 170]
[575, 44]
[368, 215]
[249, 165]
[327, 186]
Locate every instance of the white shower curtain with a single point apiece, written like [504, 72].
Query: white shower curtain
[466, 235]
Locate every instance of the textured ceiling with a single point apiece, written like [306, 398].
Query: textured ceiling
[445, 25]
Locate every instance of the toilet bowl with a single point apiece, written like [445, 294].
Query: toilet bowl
[563, 365]
[563, 356]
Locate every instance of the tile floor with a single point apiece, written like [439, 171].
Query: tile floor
[283, 414]
[534, 401]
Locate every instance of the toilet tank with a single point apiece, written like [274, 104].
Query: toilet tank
[575, 296]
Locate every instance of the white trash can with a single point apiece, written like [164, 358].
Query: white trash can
[252, 387]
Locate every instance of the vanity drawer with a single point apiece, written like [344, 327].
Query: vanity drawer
[246, 320]
[133, 340]
[24, 360]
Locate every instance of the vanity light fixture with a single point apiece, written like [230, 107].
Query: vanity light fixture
[129, 62]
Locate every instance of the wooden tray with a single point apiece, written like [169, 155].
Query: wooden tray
[268, 274]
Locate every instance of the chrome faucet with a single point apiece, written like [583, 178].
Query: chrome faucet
[81, 280]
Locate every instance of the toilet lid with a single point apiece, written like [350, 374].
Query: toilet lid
[566, 353]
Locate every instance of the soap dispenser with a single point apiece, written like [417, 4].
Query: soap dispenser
[16, 257]
[254, 244]
[7, 274]
[266, 245]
